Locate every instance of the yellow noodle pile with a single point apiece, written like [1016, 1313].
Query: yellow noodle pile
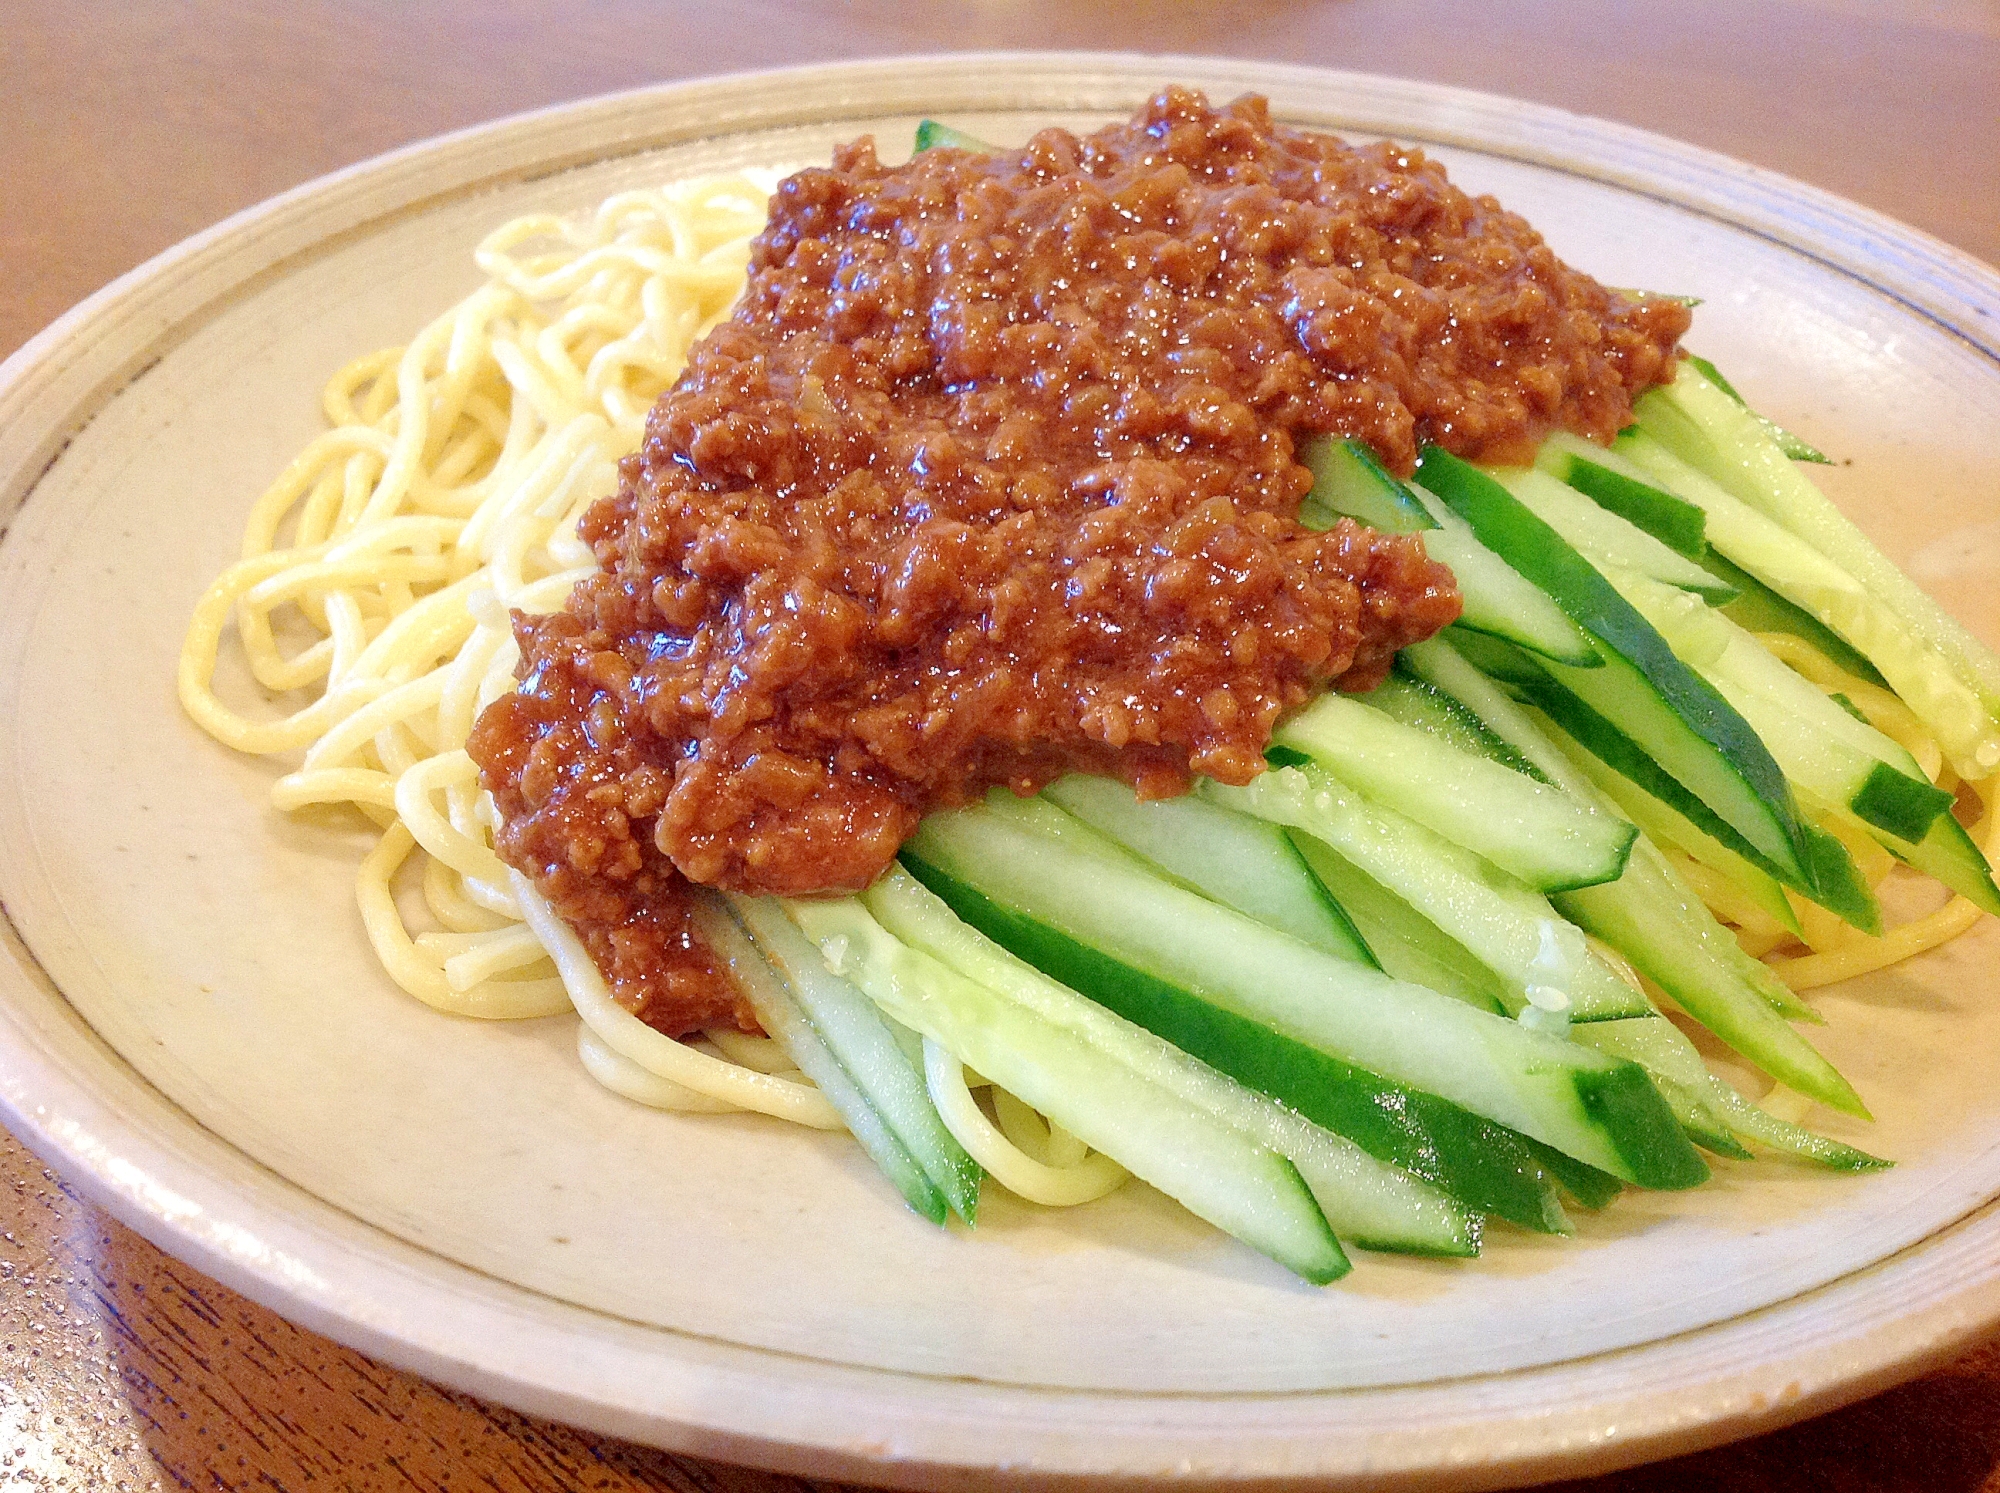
[377, 575]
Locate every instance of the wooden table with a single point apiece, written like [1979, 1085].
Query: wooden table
[128, 124]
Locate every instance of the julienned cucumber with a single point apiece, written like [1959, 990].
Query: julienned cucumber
[1682, 722]
[1480, 1164]
[1665, 825]
[1834, 882]
[1407, 944]
[1229, 858]
[1545, 1087]
[1628, 489]
[1650, 916]
[1526, 828]
[1924, 678]
[1211, 1168]
[1821, 747]
[1613, 484]
[1407, 697]
[1720, 436]
[1368, 1202]
[783, 1019]
[1506, 925]
[1793, 447]
[867, 1049]
[1349, 481]
[1603, 537]
[1662, 1050]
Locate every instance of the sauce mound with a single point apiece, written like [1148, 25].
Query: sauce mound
[993, 476]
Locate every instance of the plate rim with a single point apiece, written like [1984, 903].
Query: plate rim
[191, 1192]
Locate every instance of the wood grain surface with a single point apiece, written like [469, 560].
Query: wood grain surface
[127, 126]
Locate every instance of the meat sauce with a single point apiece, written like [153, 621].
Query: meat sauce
[992, 476]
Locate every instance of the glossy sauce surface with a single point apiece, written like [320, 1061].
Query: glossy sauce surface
[994, 476]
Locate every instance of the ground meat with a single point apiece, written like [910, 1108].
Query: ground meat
[993, 476]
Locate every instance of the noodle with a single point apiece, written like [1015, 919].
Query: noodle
[380, 567]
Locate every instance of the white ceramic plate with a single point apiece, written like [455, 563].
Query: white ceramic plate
[192, 1027]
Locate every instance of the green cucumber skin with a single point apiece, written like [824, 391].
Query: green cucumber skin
[1593, 604]
[1898, 804]
[1494, 917]
[1586, 1185]
[1604, 537]
[1408, 945]
[1831, 878]
[1949, 854]
[1484, 1063]
[1673, 521]
[1199, 845]
[1368, 1201]
[931, 134]
[1246, 1189]
[1713, 994]
[1479, 1163]
[1348, 481]
[1407, 697]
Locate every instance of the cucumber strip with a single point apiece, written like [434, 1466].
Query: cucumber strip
[1502, 923]
[1665, 1051]
[1614, 484]
[860, 1037]
[1368, 1202]
[1820, 747]
[1229, 858]
[1437, 663]
[1708, 985]
[1347, 479]
[1603, 537]
[1528, 829]
[1931, 680]
[1585, 1184]
[1722, 438]
[1760, 1125]
[1405, 697]
[1408, 945]
[1552, 1090]
[785, 1019]
[1678, 1073]
[1681, 721]
[1665, 825]
[1832, 880]
[1758, 608]
[1496, 599]
[1791, 445]
[930, 134]
[1480, 1164]
[1949, 854]
[1212, 1169]
[1441, 665]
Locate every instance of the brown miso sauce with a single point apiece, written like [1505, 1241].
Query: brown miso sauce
[993, 476]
